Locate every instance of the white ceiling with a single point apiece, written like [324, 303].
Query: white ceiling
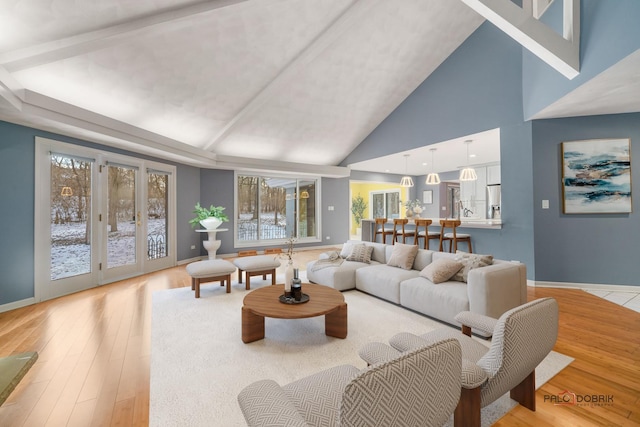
[213, 81]
[293, 85]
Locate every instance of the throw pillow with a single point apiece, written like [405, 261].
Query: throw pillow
[346, 249]
[361, 253]
[469, 262]
[403, 255]
[441, 270]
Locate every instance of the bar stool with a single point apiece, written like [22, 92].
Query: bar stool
[425, 234]
[379, 225]
[400, 223]
[453, 237]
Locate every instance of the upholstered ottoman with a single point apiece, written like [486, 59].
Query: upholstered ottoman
[210, 271]
[258, 265]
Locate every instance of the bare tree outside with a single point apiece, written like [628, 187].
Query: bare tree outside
[70, 216]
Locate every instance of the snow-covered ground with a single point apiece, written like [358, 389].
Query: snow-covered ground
[70, 255]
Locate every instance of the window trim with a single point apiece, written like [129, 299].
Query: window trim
[277, 242]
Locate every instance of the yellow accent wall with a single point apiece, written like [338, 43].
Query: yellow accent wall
[364, 189]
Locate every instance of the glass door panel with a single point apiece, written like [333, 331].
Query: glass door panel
[307, 209]
[157, 218]
[393, 204]
[70, 216]
[377, 203]
[121, 216]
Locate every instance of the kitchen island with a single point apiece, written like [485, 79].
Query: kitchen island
[467, 223]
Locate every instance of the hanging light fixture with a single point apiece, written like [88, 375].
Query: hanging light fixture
[433, 178]
[304, 194]
[66, 191]
[468, 173]
[406, 180]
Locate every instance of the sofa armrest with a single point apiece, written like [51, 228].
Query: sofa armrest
[377, 352]
[477, 321]
[264, 403]
[494, 289]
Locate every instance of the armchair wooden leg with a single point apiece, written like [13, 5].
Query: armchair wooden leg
[525, 392]
[467, 413]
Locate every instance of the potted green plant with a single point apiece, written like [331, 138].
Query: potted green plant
[358, 207]
[210, 218]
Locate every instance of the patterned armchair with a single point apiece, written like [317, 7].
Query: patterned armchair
[418, 388]
[522, 338]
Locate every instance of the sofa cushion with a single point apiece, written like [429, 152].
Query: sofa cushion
[441, 270]
[469, 262]
[403, 256]
[441, 301]
[383, 281]
[341, 277]
[347, 248]
[360, 253]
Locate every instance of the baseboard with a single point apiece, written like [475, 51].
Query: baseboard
[17, 304]
[585, 286]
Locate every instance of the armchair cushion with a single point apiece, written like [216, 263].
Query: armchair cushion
[265, 403]
[377, 352]
[318, 396]
[417, 388]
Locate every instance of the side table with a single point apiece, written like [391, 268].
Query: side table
[212, 244]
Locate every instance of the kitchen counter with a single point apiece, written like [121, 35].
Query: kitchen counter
[467, 223]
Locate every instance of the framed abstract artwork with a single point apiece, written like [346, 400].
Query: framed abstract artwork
[596, 176]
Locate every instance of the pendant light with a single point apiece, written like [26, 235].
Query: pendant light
[433, 178]
[406, 180]
[468, 173]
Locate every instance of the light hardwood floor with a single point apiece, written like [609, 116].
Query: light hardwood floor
[94, 346]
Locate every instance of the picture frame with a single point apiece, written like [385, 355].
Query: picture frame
[427, 197]
[596, 176]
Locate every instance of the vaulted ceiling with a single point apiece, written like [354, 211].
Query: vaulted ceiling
[215, 82]
[292, 85]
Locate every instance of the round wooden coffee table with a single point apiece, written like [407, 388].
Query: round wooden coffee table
[264, 302]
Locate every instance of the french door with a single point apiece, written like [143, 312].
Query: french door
[100, 217]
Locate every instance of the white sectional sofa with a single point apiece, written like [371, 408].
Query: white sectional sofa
[490, 290]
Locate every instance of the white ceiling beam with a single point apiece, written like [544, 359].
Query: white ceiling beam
[562, 52]
[47, 108]
[332, 32]
[87, 42]
[9, 88]
[245, 164]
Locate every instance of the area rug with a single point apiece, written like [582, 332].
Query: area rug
[199, 363]
[12, 369]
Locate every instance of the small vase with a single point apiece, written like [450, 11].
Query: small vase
[288, 278]
[211, 223]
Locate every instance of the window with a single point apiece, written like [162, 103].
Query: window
[386, 204]
[272, 209]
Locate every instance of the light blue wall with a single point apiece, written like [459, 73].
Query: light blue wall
[602, 248]
[17, 174]
[17, 156]
[609, 32]
[477, 88]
